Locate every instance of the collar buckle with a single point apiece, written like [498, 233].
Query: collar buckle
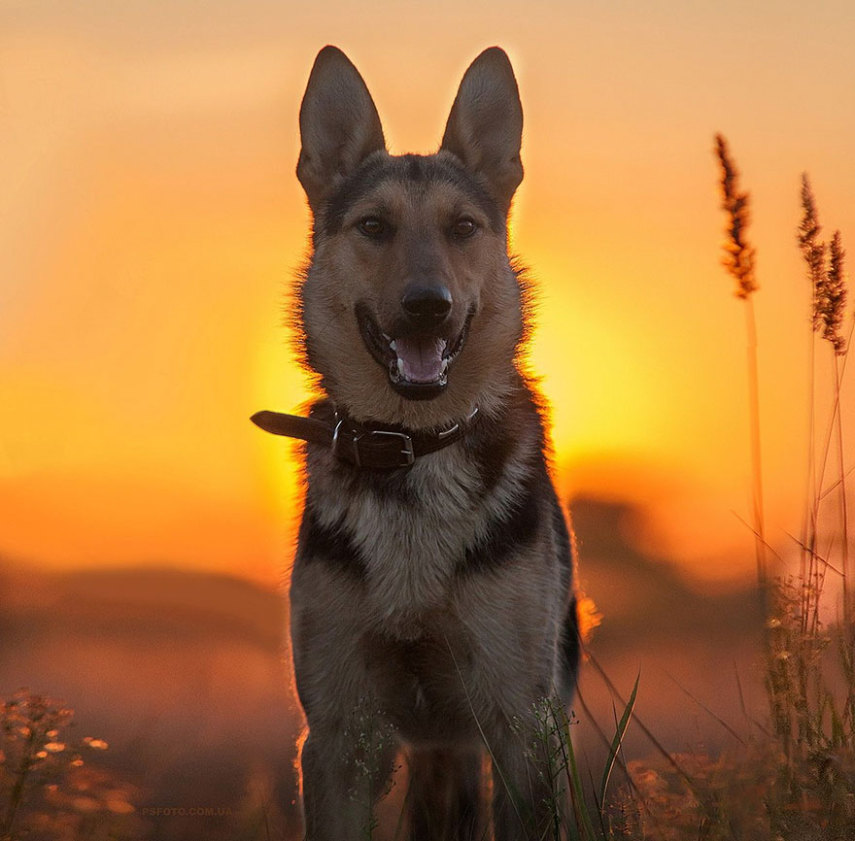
[404, 440]
[406, 456]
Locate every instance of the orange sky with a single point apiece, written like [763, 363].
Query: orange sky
[150, 223]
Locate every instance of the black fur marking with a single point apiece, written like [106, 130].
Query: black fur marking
[493, 441]
[507, 535]
[570, 647]
[418, 169]
[491, 449]
[331, 546]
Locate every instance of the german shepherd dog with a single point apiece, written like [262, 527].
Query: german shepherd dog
[432, 599]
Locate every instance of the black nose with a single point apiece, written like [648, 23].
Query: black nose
[426, 306]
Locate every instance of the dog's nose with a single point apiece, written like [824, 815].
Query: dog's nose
[426, 306]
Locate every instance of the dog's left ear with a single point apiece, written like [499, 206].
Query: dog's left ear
[484, 128]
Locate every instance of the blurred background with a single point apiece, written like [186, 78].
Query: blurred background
[150, 229]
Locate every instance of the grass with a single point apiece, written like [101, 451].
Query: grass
[793, 779]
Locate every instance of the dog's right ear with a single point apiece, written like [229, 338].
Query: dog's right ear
[339, 125]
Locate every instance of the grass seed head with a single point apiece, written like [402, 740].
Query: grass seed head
[739, 256]
[825, 266]
[813, 251]
[834, 303]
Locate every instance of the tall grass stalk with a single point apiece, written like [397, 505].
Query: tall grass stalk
[812, 719]
[796, 780]
[826, 277]
[836, 291]
[739, 260]
[810, 664]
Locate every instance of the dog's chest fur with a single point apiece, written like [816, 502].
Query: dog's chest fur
[412, 535]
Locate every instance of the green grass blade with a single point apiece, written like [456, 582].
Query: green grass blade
[584, 825]
[617, 741]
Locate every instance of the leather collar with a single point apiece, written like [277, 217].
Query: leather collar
[373, 446]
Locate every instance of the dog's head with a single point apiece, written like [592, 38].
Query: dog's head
[411, 310]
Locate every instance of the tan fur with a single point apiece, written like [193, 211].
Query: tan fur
[345, 270]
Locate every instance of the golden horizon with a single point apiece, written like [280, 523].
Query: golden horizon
[153, 224]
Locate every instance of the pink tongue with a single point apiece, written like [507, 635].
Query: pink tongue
[420, 358]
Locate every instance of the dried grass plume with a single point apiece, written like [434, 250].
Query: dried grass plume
[826, 274]
[738, 254]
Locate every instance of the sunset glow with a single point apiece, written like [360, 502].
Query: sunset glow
[151, 226]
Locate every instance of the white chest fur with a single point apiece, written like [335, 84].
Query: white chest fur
[412, 542]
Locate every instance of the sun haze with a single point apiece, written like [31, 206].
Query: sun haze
[151, 226]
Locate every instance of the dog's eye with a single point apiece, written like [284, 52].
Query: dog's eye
[372, 227]
[463, 228]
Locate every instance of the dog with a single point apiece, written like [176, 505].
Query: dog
[433, 605]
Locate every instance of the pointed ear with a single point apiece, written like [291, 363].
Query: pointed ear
[484, 128]
[339, 125]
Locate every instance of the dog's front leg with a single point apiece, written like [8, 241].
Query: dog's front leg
[343, 776]
[525, 784]
[348, 754]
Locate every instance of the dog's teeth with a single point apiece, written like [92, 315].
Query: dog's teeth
[391, 343]
[386, 337]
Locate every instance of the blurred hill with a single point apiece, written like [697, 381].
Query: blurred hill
[643, 595]
[187, 675]
[696, 654]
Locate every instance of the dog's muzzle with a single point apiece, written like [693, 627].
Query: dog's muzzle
[418, 359]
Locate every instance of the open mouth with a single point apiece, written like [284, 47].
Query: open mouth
[417, 364]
